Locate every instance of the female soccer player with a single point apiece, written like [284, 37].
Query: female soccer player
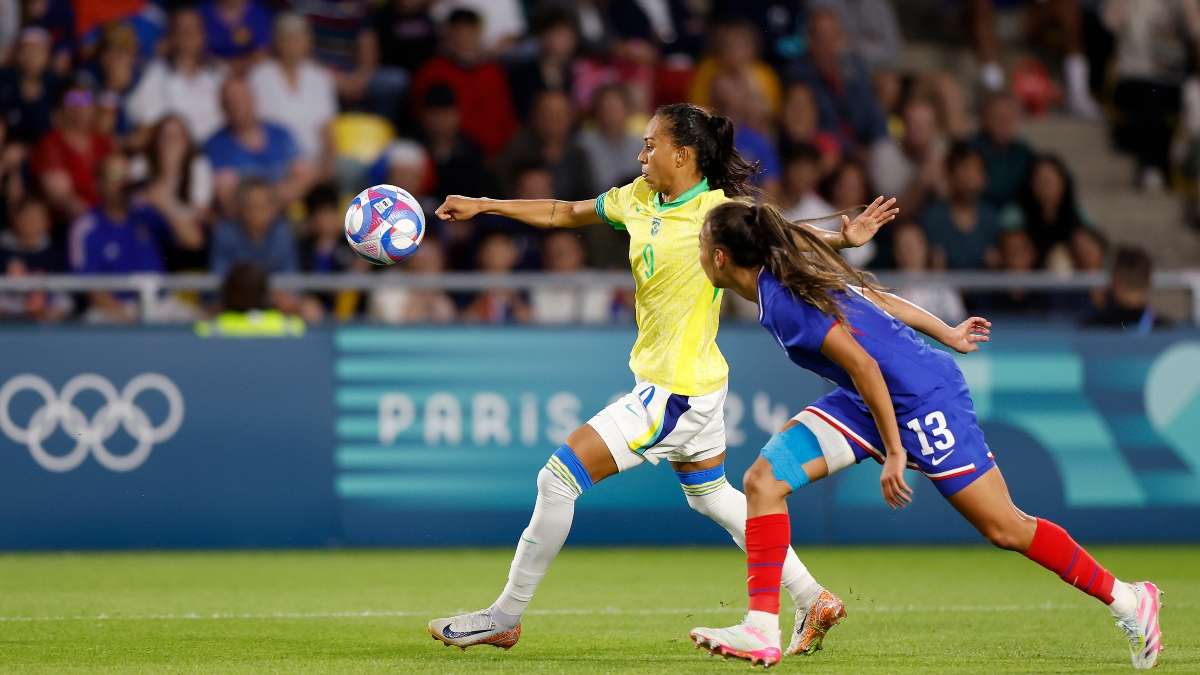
[689, 165]
[895, 393]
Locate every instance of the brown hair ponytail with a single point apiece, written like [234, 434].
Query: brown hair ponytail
[758, 236]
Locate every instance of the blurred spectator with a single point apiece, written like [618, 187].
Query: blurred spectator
[502, 21]
[57, 18]
[249, 147]
[780, 23]
[846, 102]
[182, 82]
[29, 88]
[612, 150]
[12, 172]
[731, 97]
[146, 19]
[910, 249]
[236, 31]
[550, 68]
[245, 308]
[735, 53]
[178, 181]
[257, 233]
[479, 83]
[122, 236]
[848, 188]
[870, 25]
[397, 304]
[405, 164]
[113, 72]
[1066, 20]
[962, 228]
[26, 248]
[1046, 206]
[1089, 249]
[798, 126]
[1158, 43]
[801, 176]
[457, 159]
[562, 252]
[549, 140]
[324, 247]
[1017, 253]
[498, 254]
[295, 92]
[1006, 157]
[668, 26]
[10, 27]
[406, 34]
[1129, 294]
[64, 162]
[915, 174]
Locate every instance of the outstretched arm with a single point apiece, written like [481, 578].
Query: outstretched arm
[536, 212]
[964, 338]
[855, 233]
[841, 348]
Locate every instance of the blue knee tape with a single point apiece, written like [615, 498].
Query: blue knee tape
[564, 464]
[700, 483]
[788, 451]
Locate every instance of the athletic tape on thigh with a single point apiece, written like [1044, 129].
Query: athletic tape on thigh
[834, 445]
[700, 483]
[564, 464]
[787, 451]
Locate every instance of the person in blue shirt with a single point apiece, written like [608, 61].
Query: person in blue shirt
[897, 401]
[249, 148]
[238, 31]
[258, 235]
[123, 235]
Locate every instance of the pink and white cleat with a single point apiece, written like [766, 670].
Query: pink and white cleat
[742, 641]
[1141, 628]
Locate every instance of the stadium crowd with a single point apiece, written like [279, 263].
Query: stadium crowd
[164, 136]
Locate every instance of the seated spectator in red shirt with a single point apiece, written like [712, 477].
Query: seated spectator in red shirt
[480, 85]
[64, 162]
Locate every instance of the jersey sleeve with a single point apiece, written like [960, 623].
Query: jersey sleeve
[800, 325]
[614, 204]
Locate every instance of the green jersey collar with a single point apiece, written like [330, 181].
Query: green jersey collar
[684, 198]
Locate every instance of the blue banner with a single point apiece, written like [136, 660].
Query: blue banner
[419, 436]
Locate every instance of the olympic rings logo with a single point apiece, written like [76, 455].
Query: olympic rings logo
[119, 410]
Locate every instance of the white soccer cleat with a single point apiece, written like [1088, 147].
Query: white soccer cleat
[742, 641]
[813, 623]
[1145, 639]
[476, 628]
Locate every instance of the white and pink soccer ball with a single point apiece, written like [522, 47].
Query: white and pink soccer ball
[384, 224]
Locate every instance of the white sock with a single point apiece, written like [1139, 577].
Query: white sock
[539, 545]
[727, 506]
[992, 76]
[1124, 600]
[1075, 71]
[763, 620]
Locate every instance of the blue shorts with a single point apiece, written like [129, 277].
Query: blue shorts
[943, 439]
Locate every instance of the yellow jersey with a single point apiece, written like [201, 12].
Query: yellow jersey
[678, 310]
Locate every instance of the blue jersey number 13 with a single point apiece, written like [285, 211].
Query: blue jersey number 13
[936, 421]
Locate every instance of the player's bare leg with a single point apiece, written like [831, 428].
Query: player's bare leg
[581, 462]
[986, 504]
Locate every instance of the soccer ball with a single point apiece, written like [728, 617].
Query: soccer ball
[384, 224]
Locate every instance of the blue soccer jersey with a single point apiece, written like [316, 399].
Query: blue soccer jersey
[933, 407]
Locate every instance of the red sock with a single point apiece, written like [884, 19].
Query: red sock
[1055, 550]
[767, 540]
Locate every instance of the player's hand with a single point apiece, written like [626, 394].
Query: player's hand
[895, 491]
[965, 337]
[457, 207]
[860, 230]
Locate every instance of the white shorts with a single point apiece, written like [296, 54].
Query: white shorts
[652, 424]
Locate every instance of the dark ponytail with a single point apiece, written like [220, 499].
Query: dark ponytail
[711, 137]
[759, 236]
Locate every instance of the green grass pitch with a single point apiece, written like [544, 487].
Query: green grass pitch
[936, 610]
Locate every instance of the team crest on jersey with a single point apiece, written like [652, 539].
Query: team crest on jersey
[654, 226]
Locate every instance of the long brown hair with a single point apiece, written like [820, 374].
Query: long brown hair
[758, 236]
[184, 190]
